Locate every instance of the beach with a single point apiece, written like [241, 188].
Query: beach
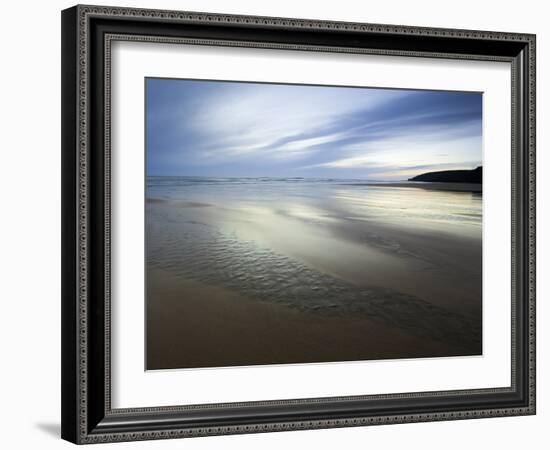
[244, 271]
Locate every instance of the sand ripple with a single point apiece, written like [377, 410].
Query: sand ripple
[193, 250]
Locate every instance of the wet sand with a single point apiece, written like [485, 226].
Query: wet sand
[422, 263]
[193, 325]
[240, 278]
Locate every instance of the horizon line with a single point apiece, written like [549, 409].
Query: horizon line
[309, 178]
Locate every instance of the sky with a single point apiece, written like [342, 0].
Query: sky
[237, 129]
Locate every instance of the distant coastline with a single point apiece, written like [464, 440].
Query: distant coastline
[474, 176]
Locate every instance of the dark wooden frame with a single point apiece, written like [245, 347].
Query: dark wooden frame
[87, 32]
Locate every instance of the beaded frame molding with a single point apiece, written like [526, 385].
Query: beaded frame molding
[87, 35]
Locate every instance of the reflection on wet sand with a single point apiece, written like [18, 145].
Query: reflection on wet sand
[397, 265]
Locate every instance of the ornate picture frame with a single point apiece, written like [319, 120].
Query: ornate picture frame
[88, 33]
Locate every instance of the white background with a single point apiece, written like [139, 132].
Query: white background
[30, 186]
[133, 387]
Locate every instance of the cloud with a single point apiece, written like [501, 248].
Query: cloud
[411, 149]
[275, 120]
[201, 127]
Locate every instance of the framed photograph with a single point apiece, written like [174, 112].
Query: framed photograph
[277, 224]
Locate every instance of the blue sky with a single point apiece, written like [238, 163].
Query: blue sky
[213, 128]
